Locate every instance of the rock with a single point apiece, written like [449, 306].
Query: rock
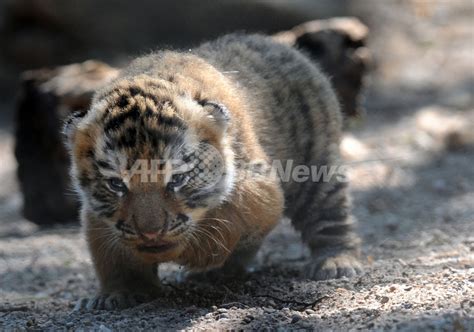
[353, 149]
[295, 319]
[450, 130]
[384, 299]
[222, 316]
[104, 328]
[248, 319]
[310, 312]
[338, 46]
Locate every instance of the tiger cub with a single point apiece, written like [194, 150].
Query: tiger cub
[176, 158]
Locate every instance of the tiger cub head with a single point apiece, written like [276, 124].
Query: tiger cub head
[149, 161]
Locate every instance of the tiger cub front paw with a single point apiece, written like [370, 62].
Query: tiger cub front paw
[112, 301]
[333, 267]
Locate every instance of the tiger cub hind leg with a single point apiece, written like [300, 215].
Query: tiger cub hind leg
[327, 227]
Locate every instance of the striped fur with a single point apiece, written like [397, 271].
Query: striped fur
[249, 99]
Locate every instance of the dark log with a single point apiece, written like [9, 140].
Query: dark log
[48, 96]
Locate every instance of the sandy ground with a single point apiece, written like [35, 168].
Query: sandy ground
[411, 165]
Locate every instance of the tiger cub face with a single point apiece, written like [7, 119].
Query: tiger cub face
[149, 160]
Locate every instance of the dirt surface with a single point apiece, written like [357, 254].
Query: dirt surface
[411, 167]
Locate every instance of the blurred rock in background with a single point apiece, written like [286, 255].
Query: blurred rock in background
[338, 45]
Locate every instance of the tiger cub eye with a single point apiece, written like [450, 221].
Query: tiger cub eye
[116, 184]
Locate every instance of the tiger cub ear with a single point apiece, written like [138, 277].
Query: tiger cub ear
[70, 125]
[218, 112]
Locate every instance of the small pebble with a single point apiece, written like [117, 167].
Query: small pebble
[104, 328]
[268, 310]
[310, 311]
[222, 316]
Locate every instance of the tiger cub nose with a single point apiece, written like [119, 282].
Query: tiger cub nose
[151, 235]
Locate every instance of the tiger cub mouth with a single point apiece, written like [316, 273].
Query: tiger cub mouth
[156, 247]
